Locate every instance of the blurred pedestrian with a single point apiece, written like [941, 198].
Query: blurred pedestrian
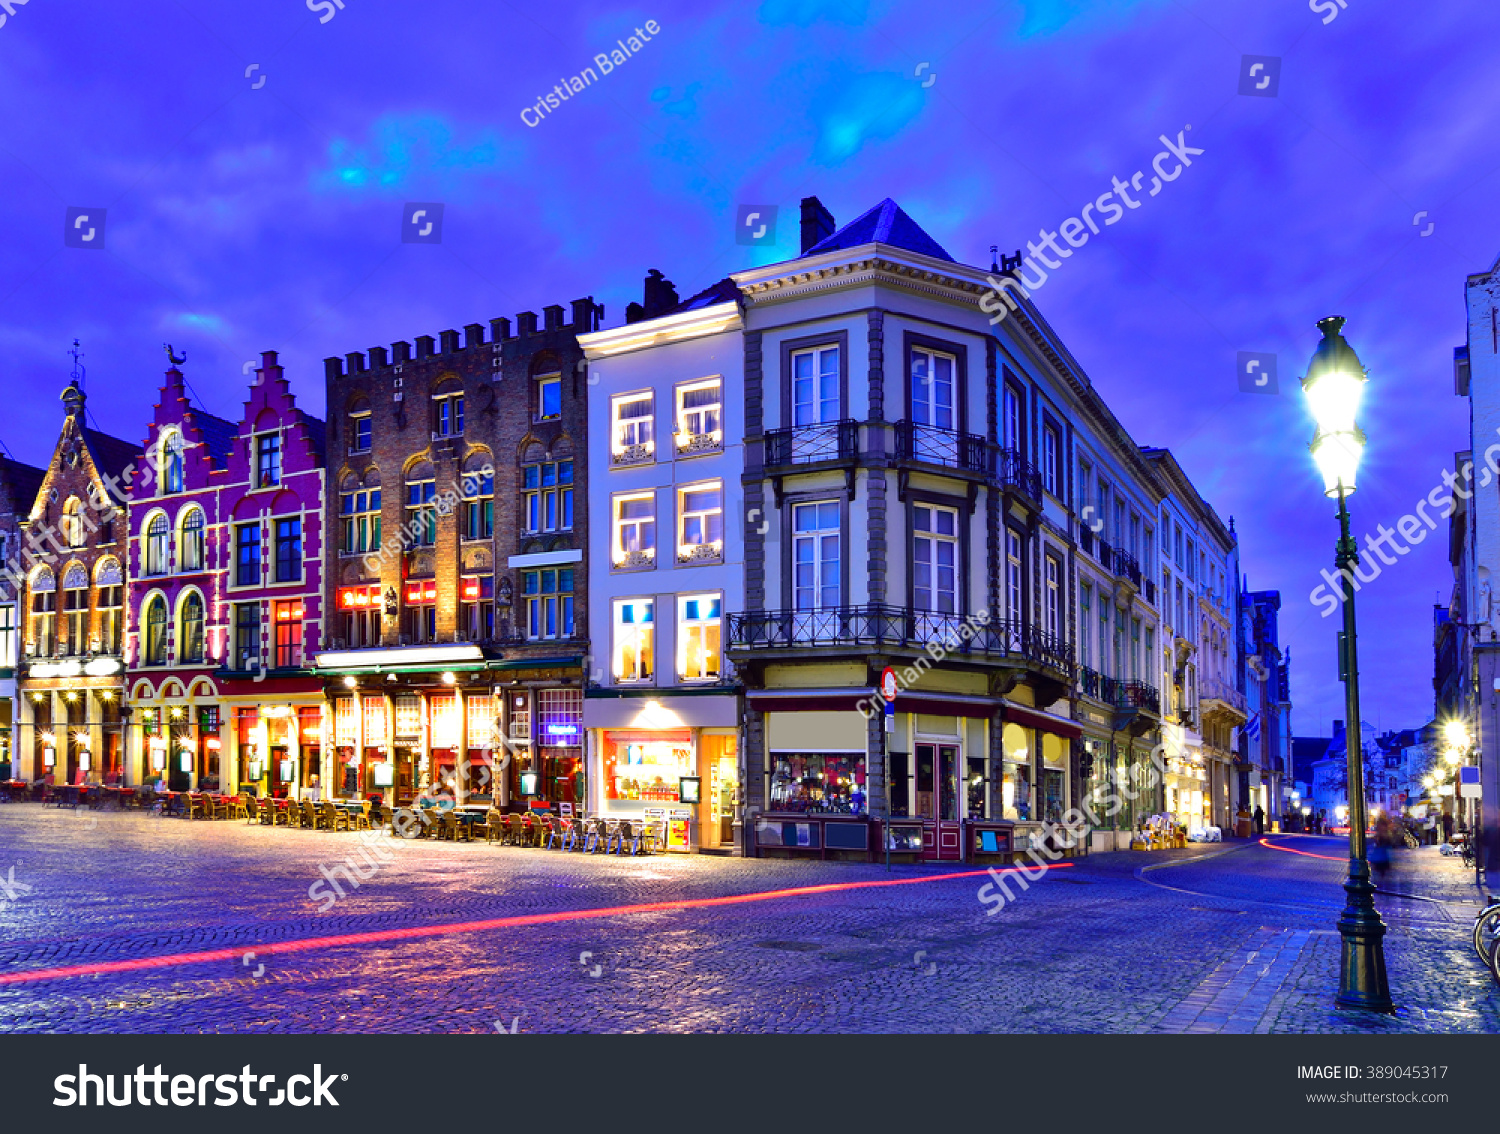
[1260, 820]
[1379, 854]
[1447, 827]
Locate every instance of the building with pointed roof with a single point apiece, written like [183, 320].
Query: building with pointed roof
[19, 484]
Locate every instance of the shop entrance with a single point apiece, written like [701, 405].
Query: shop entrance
[937, 801]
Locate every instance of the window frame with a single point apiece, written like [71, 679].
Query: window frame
[914, 343]
[790, 348]
[706, 550]
[959, 541]
[642, 450]
[296, 561]
[240, 547]
[642, 558]
[703, 625]
[688, 443]
[262, 444]
[537, 498]
[550, 621]
[541, 382]
[791, 505]
[616, 644]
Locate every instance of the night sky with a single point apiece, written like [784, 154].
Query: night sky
[247, 215]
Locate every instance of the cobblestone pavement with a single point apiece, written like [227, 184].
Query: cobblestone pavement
[1126, 942]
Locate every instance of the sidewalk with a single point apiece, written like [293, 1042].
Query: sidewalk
[1426, 873]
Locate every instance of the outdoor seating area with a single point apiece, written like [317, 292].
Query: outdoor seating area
[538, 830]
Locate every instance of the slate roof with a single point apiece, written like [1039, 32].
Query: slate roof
[886, 223]
[724, 291]
[218, 435]
[25, 483]
[112, 455]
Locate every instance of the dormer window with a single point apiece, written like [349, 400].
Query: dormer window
[268, 460]
[173, 475]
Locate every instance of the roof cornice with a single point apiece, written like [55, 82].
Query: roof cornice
[664, 329]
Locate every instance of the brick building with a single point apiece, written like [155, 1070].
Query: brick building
[71, 673]
[19, 485]
[457, 480]
[226, 593]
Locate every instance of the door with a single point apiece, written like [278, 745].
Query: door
[937, 801]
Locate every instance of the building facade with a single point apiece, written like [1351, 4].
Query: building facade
[1265, 740]
[665, 431]
[226, 605]
[19, 484]
[457, 575]
[71, 672]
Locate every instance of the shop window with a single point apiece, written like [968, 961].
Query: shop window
[446, 721]
[360, 512]
[268, 460]
[190, 644]
[700, 523]
[935, 558]
[634, 530]
[289, 634]
[377, 726]
[408, 719]
[247, 636]
[559, 717]
[698, 637]
[632, 428]
[247, 554]
[818, 783]
[646, 766]
[476, 610]
[549, 397]
[345, 721]
[700, 418]
[634, 639]
[547, 496]
[549, 603]
[158, 541]
[360, 608]
[1015, 784]
[421, 611]
[289, 550]
[155, 646]
[190, 547]
[480, 716]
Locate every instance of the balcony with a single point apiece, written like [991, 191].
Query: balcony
[1125, 566]
[883, 627]
[811, 444]
[1019, 477]
[933, 445]
[1130, 700]
[1220, 699]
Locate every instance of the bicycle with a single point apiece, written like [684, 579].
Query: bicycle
[1487, 932]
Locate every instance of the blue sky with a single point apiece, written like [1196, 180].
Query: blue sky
[244, 217]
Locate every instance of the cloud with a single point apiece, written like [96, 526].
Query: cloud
[407, 152]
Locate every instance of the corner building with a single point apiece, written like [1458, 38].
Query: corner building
[458, 476]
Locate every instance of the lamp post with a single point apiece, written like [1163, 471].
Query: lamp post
[1334, 384]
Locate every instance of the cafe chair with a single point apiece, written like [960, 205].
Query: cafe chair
[240, 808]
[334, 818]
[359, 820]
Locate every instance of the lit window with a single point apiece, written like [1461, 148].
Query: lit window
[634, 639]
[421, 611]
[190, 637]
[549, 603]
[288, 634]
[632, 430]
[190, 548]
[360, 511]
[547, 496]
[635, 530]
[700, 417]
[698, 637]
[476, 608]
[361, 608]
[549, 397]
[44, 613]
[172, 464]
[935, 558]
[156, 632]
[72, 522]
[157, 541]
[700, 520]
[268, 459]
[479, 503]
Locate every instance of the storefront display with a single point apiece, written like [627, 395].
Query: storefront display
[818, 783]
[646, 766]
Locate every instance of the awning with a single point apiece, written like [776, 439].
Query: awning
[1046, 722]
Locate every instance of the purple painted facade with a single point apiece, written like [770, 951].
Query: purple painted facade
[225, 609]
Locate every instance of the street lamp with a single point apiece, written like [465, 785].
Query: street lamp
[1333, 387]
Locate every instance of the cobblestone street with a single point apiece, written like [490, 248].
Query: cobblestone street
[1219, 938]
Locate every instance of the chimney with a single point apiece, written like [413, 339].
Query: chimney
[817, 223]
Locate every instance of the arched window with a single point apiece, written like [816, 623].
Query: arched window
[172, 465]
[156, 632]
[110, 581]
[44, 613]
[72, 522]
[190, 546]
[190, 638]
[157, 540]
[75, 611]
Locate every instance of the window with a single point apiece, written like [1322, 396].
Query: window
[935, 558]
[549, 603]
[361, 608]
[547, 496]
[421, 611]
[247, 635]
[1180, 623]
[476, 608]
[1166, 535]
[1135, 534]
[698, 637]
[1191, 565]
[111, 601]
[72, 523]
[635, 530]
[700, 417]
[268, 460]
[1148, 550]
[1102, 515]
[360, 431]
[1104, 636]
[421, 513]
[44, 614]
[1010, 420]
[700, 522]
[1054, 598]
[932, 389]
[157, 542]
[632, 428]
[172, 465]
[190, 639]
[815, 386]
[1014, 592]
[155, 645]
[360, 511]
[1051, 453]
[75, 612]
[190, 547]
[479, 504]
[288, 617]
[549, 397]
[817, 583]
[1085, 625]
[634, 639]
[7, 636]
[1135, 649]
[247, 554]
[1178, 544]
[449, 415]
[1151, 654]
[289, 550]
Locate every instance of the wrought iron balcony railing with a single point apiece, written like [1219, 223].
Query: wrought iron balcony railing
[938, 446]
[1014, 471]
[1213, 689]
[882, 625]
[806, 444]
[1126, 566]
[1120, 694]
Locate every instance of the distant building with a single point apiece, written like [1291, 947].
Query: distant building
[1266, 671]
[18, 488]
